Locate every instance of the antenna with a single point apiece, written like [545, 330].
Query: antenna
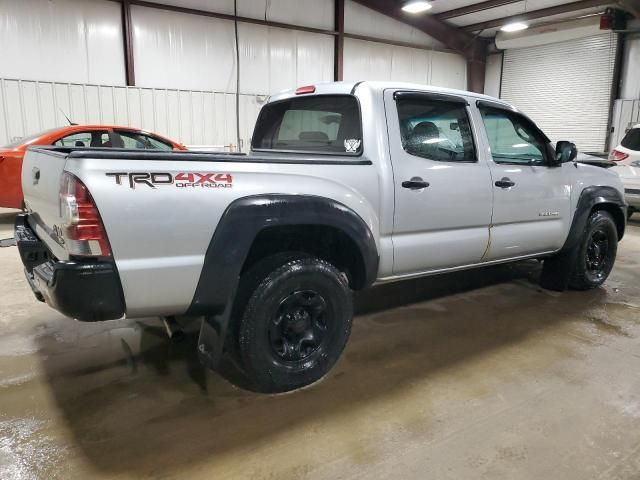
[68, 119]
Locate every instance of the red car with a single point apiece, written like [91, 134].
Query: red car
[73, 136]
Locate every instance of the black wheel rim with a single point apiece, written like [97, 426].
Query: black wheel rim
[598, 254]
[299, 327]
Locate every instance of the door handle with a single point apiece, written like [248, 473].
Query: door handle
[505, 182]
[416, 183]
[36, 175]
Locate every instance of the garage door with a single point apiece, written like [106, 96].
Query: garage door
[565, 87]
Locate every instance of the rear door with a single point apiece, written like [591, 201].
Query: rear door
[531, 206]
[443, 193]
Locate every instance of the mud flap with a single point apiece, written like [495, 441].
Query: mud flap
[213, 333]
[557, 271]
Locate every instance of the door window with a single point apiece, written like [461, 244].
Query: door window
[435, 129]
[95, 138]
[513, 138]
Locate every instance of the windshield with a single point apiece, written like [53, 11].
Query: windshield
[26, 140]
[319, 123]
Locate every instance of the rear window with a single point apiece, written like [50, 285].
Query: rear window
[318, 124]
[632, 139]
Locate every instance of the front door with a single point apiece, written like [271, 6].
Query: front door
[443, 193]
[531, 205]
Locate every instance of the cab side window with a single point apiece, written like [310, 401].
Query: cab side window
[436, 129]
[95, 138]
[513, 138]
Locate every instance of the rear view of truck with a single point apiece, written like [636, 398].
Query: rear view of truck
[63, 242]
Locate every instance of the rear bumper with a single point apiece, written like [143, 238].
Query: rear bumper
[88, 290]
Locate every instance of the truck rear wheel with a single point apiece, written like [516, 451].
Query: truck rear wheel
[295, 324]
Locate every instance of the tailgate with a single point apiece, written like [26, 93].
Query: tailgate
[42, 171]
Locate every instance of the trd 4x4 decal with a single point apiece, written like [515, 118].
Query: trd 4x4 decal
[179, 180]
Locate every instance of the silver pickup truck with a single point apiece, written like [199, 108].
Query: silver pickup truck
[347, 185]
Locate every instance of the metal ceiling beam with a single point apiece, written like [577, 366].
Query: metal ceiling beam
[451, 36]
[338, 55]
[128, 43]
[473, 48]
[475, 8]
[535, 14]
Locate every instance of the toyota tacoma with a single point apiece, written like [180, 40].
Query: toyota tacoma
[347, 185]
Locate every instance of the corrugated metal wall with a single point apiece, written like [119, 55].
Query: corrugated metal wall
[185, 64]
[564, 87]
[193, 117]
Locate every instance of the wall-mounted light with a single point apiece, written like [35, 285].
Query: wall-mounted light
[416, 6]
[514, 27]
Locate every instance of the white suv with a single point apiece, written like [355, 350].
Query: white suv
[627, 157]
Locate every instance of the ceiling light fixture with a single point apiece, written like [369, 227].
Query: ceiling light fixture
[514, 27]
[416, 6]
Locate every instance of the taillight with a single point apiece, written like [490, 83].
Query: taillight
[618, 156]
[83, 231]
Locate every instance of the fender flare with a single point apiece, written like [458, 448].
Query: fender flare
[246, 217]
[589, 198]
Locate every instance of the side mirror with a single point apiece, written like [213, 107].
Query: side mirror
[565, 152]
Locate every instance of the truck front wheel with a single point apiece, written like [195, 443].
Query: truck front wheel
[596, 252]
[295, 323]
[587, 264]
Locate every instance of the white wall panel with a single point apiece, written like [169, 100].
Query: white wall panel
[274, 59]
[218, 6]
[448, 70]
[361, 20]
[307, 13]
[374, 61]
[190, 117]
[493, 75]
[62, 40]
[177, 50]
[630, 74]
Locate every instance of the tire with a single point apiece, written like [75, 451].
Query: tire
[630, 212]
[596, 252]
[295, 321]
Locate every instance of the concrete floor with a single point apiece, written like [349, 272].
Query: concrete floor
[474, 375]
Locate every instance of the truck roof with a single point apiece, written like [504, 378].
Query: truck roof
[379, 86]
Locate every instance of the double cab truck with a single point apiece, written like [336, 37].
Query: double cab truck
[347, 185]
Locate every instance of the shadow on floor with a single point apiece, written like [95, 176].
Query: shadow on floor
[136, 402]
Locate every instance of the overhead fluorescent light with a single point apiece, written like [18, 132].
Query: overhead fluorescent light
[416, 6]
[514, 27]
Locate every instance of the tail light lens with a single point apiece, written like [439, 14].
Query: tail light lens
[83, 231]
[618, 156]
[306, 89]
